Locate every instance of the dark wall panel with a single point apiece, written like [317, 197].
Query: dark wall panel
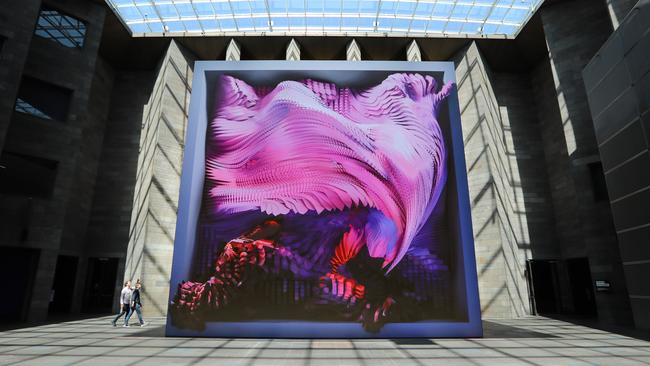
[617, 81]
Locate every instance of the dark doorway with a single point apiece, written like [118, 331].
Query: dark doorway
[100, 287]
[18, 267]
[582, 290]
[543, 286]
[63, 287]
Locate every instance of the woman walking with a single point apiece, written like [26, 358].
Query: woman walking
[136, 303]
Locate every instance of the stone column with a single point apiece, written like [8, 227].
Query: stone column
[353, 52]
[293, 51]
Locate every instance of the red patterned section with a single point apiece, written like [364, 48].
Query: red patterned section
[230, 269]
[347, 249]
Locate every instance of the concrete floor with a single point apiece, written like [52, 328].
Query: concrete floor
[527, 341]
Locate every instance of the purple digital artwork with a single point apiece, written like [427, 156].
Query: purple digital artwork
[322, 203]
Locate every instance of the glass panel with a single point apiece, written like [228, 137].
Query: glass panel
[148, 11]
[424, 9]
[228, 25]
[258, 6]
[516, 16]
[192, 25]
[350, 6]
[315, 6]
[366, 24]
[135, 28]
[471, 28]
[261, 24]
[277, 6]
[185, 10]
[369, 7]
[280, 23]
[401, 24]
[24, 107]
[497, 14]
[436, 26]
[204, 9]
[63, 29]
[298, 22]
[175, 26]
[332, 23]
[385, 23]
[349, 23]
[507, 29]
[454, 27]
[418, 25]
[245, 24]
[460, 11]
[241, 8]
[404, 8]
[155, 27]
[131, 13]
[332, 6]
[296, 6]
[167, 11]
[442, 10]
[222, 8]
[478, 12]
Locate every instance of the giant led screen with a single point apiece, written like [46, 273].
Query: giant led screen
[323, 199]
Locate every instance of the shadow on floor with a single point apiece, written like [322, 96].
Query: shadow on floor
[490, 330]
[496, 330]
[51, 319]
[593, 323]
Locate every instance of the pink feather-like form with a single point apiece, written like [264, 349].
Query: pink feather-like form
[310, 145]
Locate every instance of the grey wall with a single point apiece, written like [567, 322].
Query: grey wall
[53, 224]
[17, 21]
[574, 31]
[618, 10]
[617, 81]
[155, 199]
[511, 210]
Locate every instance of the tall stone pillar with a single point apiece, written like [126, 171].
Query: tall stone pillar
[155, 202]
[293, 51]
[353, 52]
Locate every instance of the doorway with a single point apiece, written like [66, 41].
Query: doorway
[65, 278]
[543, 286]
[582, 291]
[18, 266]
[100, 287]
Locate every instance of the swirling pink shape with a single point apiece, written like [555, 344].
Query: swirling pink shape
[313, 146]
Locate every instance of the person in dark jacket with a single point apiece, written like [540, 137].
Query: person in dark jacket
[136, 304]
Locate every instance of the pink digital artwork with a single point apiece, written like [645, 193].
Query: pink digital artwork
[332, 191]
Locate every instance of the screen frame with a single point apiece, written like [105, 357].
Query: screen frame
[191, 190]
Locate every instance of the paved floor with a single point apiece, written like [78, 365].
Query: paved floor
[527, 341]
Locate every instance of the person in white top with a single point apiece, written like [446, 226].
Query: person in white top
[125, 303]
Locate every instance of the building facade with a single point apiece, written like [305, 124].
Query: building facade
[92, 130]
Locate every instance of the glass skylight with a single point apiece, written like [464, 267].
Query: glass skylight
[416, 18]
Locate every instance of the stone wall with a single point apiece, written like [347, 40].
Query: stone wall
[507, 185]
[155, 199]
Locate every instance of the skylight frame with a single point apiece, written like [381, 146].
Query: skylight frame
[505, 23]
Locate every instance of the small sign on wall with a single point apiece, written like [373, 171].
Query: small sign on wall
[603, 286]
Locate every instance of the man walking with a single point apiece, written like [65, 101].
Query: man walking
[136, 304]
[125, 304]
